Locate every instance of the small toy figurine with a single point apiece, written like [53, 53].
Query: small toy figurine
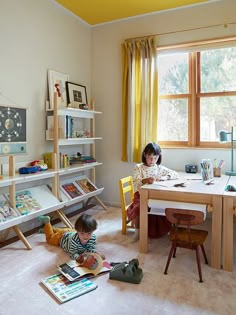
[57, 86]
[86, 133]
[40, 164]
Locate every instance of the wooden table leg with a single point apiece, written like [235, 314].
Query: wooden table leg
[216, 232]
[228, 222]
[143, 238]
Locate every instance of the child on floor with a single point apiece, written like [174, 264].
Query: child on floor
[77, 242]
[147, 172]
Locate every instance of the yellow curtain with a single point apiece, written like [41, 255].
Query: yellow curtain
[139, 96]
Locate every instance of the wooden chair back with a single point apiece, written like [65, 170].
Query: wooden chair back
[182, 235]
[126, 197]
[184, 217]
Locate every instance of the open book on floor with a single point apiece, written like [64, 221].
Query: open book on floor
[65, 290]
[91, 267]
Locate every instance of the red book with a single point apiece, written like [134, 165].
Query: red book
[71, 190]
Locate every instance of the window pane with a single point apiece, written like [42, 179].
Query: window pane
[173, 120]
[216, 113]
[173, 74]
[218, 70]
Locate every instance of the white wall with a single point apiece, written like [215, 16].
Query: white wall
[107, 81]
[36, 36]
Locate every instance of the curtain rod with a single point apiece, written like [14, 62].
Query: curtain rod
[225, 25]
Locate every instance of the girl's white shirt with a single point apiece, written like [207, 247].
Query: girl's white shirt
[142, 171]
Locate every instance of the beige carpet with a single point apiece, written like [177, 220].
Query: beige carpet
[178, 293]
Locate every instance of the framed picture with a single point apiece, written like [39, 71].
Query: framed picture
[76, 95]
[57, 83]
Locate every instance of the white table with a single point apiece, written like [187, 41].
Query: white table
[194, 192]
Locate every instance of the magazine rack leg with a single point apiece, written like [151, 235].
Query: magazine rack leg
[98, 200]
[101, 203]
[21, 236]
[64, 219]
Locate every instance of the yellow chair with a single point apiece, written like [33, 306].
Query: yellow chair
[126, 196]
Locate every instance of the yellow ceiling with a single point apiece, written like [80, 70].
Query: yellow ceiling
[101, 11]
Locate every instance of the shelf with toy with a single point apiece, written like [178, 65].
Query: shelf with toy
[77, 168]
[72, 124]
[22, 178]
[76, 112]
[77, 141]
[35, 199]
[73, 136]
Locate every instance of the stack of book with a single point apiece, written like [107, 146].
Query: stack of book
[83, 159]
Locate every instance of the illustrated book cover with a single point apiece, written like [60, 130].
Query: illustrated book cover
[6, 211]
[91, 267]
[26, 203]
[65, 290]
[71, 190]
[86, 185]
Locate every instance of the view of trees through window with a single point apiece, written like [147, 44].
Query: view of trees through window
[196, 89]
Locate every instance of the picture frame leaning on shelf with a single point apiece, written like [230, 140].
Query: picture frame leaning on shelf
[57, 83]
[76, 95]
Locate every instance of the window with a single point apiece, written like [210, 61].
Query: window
[197, 96]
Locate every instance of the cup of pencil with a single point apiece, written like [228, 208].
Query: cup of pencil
[217, 171]
[217, 167]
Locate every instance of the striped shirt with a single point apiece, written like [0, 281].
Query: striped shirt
[71, 244]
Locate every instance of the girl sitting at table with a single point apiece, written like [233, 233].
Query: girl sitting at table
[147, 172]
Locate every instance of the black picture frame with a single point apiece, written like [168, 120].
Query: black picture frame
[76, 95]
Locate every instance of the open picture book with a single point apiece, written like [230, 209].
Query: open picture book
[91, 267]
[65, 290]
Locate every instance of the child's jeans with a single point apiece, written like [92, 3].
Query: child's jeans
[54, 235]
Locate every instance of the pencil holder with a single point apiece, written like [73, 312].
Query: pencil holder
[206, 170]
[217, 171]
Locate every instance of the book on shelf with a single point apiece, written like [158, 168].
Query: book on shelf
[6, 211]
[86, 185]
[71, 190]
[82, 159]
[26, 202]
[93, 266]
[65, 290]
[62, 128]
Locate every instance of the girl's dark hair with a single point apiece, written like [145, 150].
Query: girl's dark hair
[85, 223]
[152, 148]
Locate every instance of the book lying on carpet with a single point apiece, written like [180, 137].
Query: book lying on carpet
[86, 185]
[92, 266]
[65, 290]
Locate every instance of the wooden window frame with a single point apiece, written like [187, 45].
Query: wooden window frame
[194, 96]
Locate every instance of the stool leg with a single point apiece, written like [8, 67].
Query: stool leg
[204, 254]
[199, 264]
[173, 248]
